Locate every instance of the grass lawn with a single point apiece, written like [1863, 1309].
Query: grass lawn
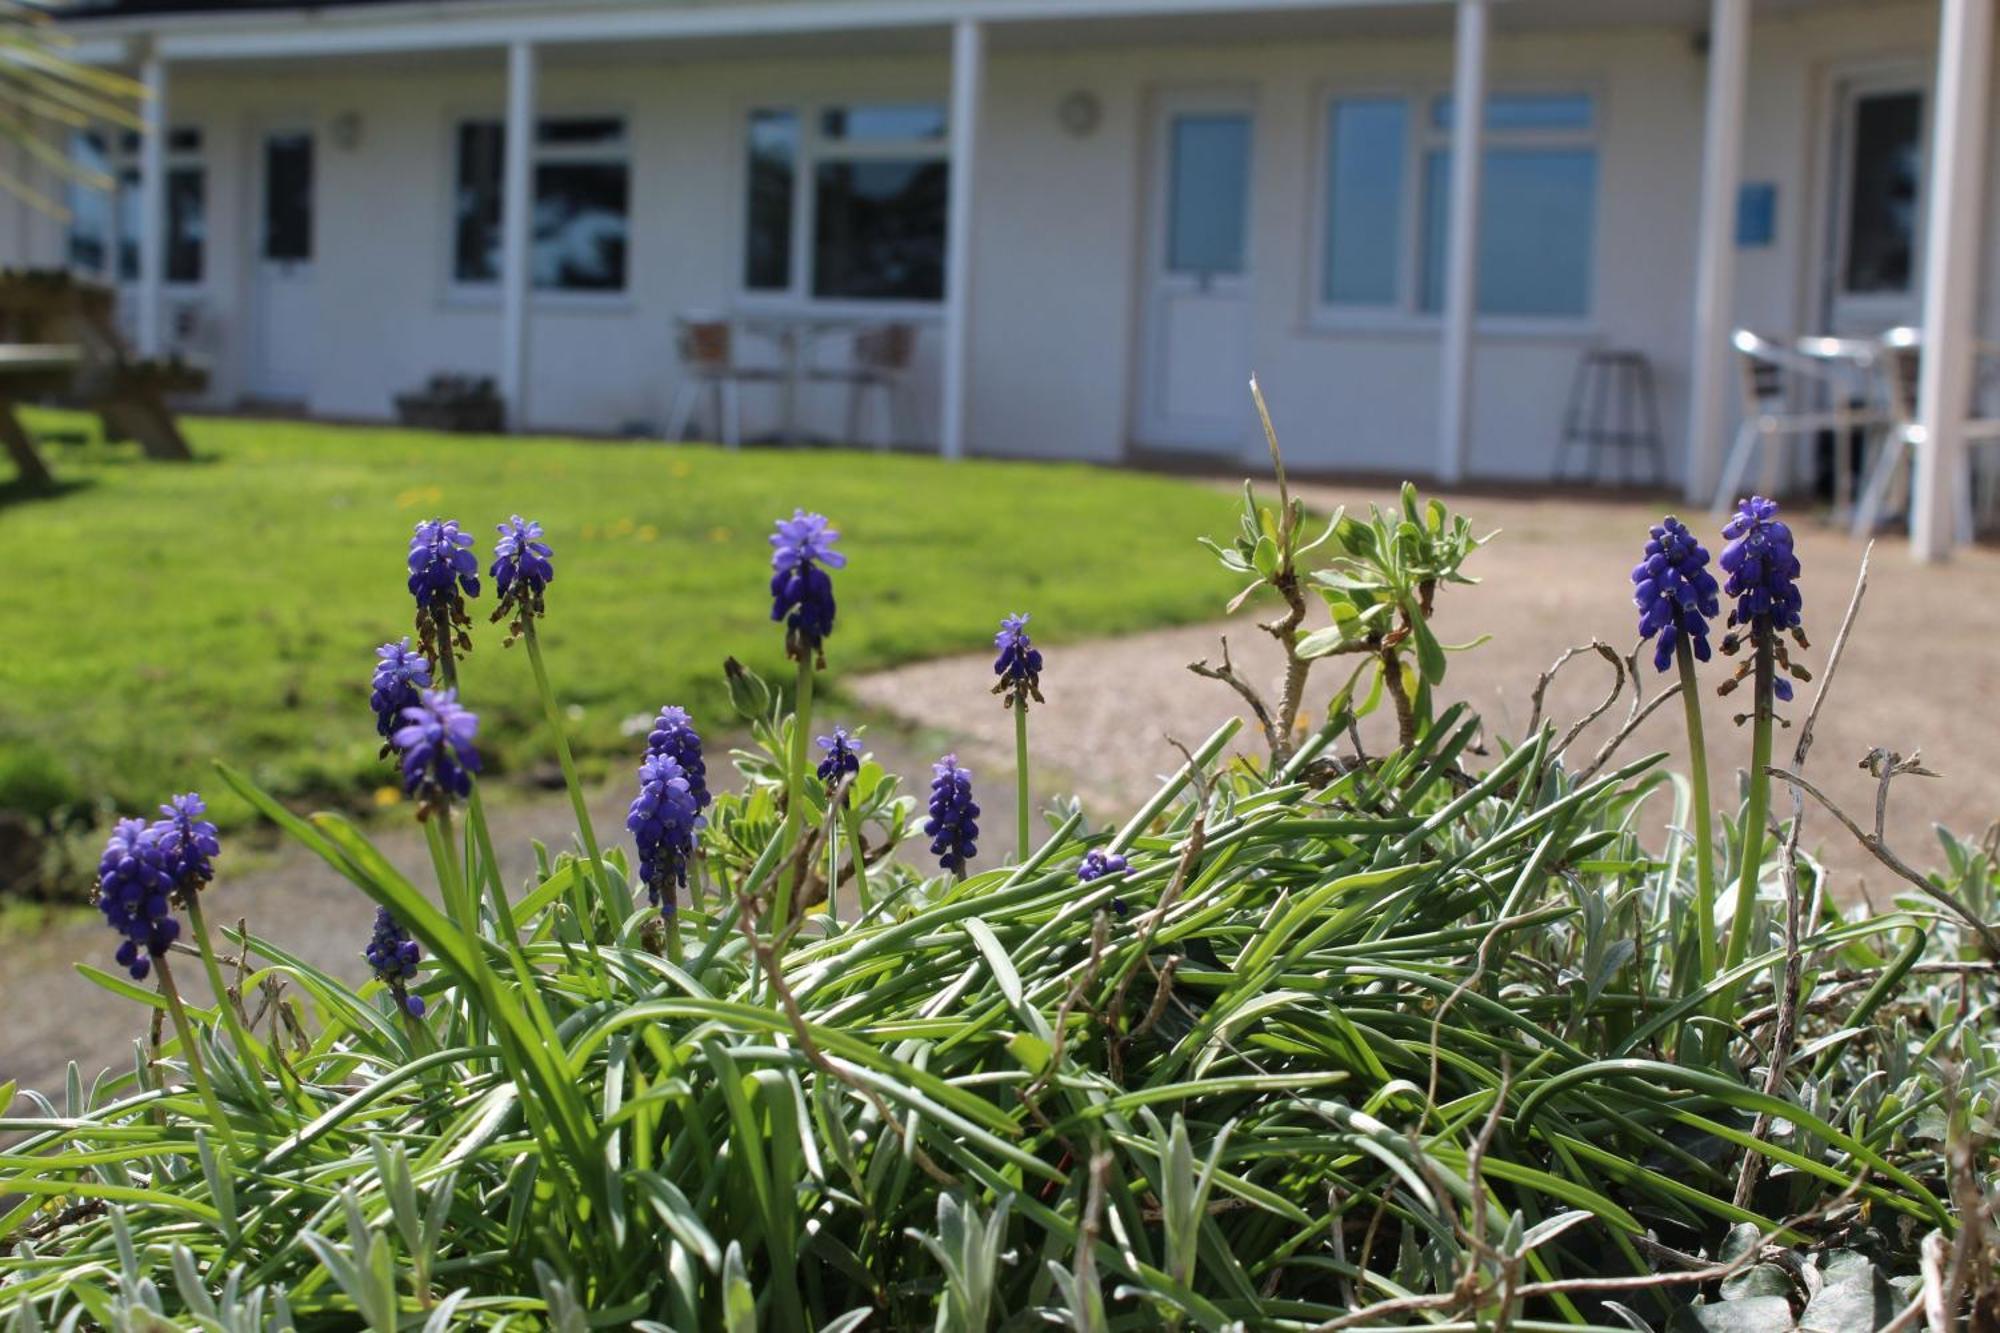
[160, 616]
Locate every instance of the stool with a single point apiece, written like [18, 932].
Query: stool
[1612, 407]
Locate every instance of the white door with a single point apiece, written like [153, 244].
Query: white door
[1874, 255]
[1194, 376]
[286, 312]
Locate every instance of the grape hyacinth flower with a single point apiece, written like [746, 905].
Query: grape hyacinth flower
[436, 742]
[186, 842]
[1763, 570]
[134, 890]
[1675, 592]
[1019, 665]
[953, 826]
[522, 570]
[400, 672]
[394, 955]
[673, 735]
[801, 590]
[841, 756]
[663, 820]
[443, 573]
[1098, 863]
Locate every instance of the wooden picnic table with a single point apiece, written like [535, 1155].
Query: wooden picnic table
[49, 316]
[32, 370]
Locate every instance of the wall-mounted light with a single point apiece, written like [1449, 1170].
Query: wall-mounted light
[1079, 113]
[346, 130]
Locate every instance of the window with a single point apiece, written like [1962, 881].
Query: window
[1388, 196]
[857, 192]
[105, 225]
[580, 173]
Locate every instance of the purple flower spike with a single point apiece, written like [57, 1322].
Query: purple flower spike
[954, 823]
[674, 735]
[842, 756]
[394, 956]
[1763, 570]
[1019, 665]
[1674, 592]
[801, 590]
[400, 672]
[663, 820]
[443, 573]
[522, 570]
[436, 742]
[186, 842]
[135, 886]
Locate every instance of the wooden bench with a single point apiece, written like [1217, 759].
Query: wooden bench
[50, 308]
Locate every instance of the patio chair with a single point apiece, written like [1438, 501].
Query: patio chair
[880, 362]
[1784, 386]
[709, 367]
[1902, 358]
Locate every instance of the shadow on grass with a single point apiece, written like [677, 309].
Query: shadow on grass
[16, 491]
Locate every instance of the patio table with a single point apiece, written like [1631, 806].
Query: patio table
[794, 332]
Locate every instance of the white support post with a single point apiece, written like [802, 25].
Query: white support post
[968, 61]
[1715, 242]
[1461, 284]
[151, 312]
[1952, 264]
[516, 225]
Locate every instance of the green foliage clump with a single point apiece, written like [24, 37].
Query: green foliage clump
[1353, 1040]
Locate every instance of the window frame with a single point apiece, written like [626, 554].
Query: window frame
[1406, 314]
[814, 148]
[459, 292]
[120, 158]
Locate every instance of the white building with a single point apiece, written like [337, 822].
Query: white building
[1102, 214]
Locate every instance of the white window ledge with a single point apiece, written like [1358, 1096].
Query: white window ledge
[1392, 324]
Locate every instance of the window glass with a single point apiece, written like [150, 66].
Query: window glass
[580, 226]
[580, 221]
[1536, 229]
[883, 123]
[1882, 193]
[1366, 156]
[1524, 111]
[288, 194]
[879, 229]
[187, 223]
[579, 131]
[475, 245]
[89, 207]
[126, 197]
[773, 176]
[1209, 178]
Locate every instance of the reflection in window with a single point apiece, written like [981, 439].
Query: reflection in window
[106, 223]
[475, 203]
[879, 230]
[1882, 196]
[879, 179]
[767, 214]
[580, 222]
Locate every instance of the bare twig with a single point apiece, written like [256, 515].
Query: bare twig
[1879, 849]
[1536, 699]
[1641, 709]
[1226, 673]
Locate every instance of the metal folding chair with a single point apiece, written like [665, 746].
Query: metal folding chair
[1796, 390]
[709, 366]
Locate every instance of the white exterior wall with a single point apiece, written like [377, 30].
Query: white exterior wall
[1059, 257]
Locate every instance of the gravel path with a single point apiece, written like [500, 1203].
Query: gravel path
[298, 901]
[1920, 672]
